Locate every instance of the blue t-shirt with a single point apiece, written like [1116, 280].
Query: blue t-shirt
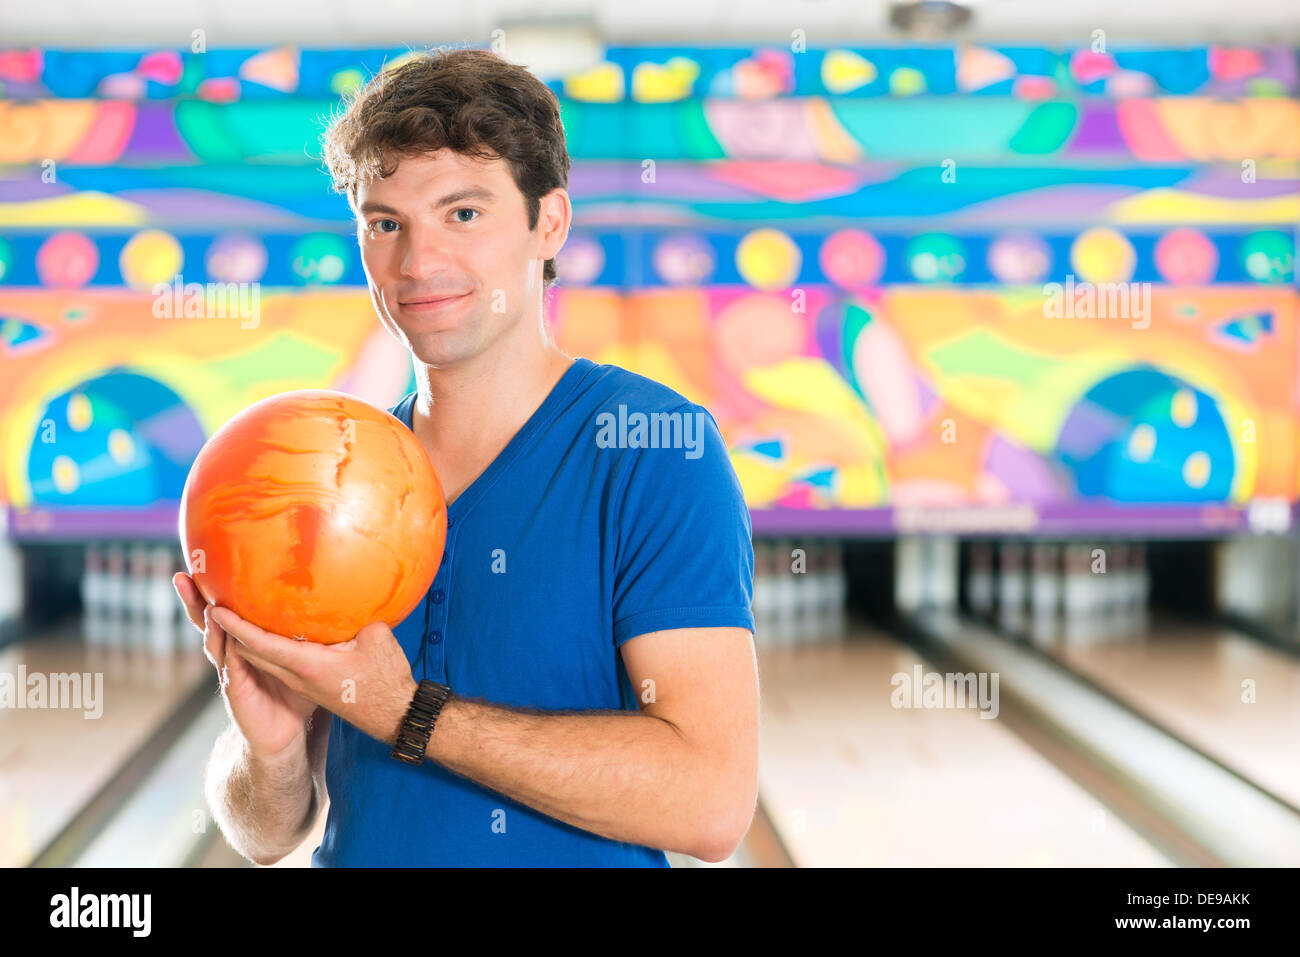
[613, 512]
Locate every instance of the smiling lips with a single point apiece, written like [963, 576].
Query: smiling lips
[429, 302]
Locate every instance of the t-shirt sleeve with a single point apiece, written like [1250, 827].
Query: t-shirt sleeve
[685, 556]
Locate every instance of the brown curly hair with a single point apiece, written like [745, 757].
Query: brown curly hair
[470, 101]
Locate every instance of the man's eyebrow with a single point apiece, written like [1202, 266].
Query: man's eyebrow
[469, 192]
[459, 196]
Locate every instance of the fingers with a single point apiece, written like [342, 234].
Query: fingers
[375, 631]
[189, 595]
[244, 659]
[255, 646]
[262, 648]
[214, 642]
[236, 668]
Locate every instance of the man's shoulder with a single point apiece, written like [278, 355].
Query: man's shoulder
[656, 434]
[613, 385]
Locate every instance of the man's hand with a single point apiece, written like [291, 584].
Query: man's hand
[366, 681]
[270, 716]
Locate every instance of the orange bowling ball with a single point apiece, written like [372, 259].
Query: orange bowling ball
[312, 514]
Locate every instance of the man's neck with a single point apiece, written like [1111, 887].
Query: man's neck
[465, 415]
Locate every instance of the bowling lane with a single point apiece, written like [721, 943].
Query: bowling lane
[55, 760]
[848, 780]
[1191, 679]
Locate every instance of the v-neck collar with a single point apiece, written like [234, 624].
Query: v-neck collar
[540, 418]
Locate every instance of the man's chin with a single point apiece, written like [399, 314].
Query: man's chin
[439, 349]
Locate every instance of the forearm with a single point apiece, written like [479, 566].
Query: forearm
[264, 807]
[627, 776]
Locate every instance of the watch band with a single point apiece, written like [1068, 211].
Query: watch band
[421, 716]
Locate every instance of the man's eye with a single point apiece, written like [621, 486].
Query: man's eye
[380, 225]
[465, 209]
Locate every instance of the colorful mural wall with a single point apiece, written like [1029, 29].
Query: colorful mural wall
[903, 280]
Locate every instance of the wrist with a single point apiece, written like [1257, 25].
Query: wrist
[403, 705]
[436, 749]
[418, 725]
[274, 759]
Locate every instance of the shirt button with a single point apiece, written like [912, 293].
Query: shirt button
[450, 523]
[435, 636]
[437, 595]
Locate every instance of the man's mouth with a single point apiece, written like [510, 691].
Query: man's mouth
[430, 305]
[429, 300]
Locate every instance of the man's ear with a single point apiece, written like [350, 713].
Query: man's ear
[554, 217]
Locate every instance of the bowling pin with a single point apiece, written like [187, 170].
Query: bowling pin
[137, 596]
[1045, 592]
[1111, 591]
[161, 601]
[115, 595]
[1116, 580]
[1012, 586]
[92, 595]
[11, 583]
[1080, 595]
[801, 567]
[909, 574]
[979, 578]
[810, 593]
[927, 563]
[1139, 590]
[825, 594]
[941, 572]
[138, 612]
[786, 626]
[839, 593]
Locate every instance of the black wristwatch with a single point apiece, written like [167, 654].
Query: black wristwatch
[420, 718]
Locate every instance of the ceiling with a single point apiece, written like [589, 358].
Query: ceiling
[349, 23]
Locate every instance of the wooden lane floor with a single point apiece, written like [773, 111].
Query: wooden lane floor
[55, 761]
[1197, 683]
[849, 780]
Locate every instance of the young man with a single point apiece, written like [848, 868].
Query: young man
[588, 636]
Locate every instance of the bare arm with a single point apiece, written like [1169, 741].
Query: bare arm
[680, 775]
[265, 778]
[266, 806]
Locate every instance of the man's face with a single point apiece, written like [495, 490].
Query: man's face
[447, 252]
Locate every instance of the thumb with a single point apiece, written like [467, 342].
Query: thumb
[374, 633]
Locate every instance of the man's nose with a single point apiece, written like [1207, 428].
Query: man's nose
[426, 255]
